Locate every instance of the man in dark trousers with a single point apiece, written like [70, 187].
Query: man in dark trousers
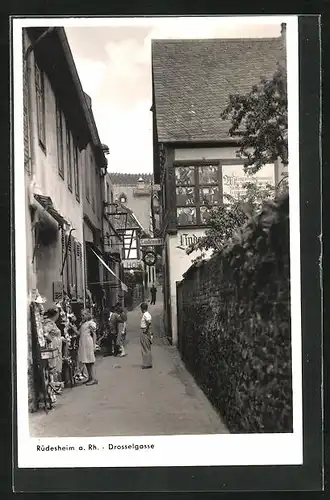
[153, 291]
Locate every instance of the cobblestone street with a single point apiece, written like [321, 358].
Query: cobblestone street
[132, 401]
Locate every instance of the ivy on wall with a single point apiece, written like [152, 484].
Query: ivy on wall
[234, 324]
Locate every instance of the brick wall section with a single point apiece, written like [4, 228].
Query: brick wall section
[234, 330]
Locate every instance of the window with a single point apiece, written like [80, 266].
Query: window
[79, 265]
[69, 274]
[97, 192]
[73, 266]
[69, 157]
[73, 269]
[87, 179]
[60, 141]
[196, 186]
[76, 172]
[92, 184]
[41, 108]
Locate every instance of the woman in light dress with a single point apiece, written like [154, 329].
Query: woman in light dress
[87, 345]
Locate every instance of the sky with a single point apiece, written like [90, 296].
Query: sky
[114, 66]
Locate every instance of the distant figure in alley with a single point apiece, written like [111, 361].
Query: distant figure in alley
[153, 291]
[145, 337]
[121, 335]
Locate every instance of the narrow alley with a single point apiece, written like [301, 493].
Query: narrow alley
[132, 401]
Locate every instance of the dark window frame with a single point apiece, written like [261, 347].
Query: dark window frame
[92, 184]
[80, 271]
[197, 164]
[87, 178]
[41, 105]
[76, 172]
[69, 156]
[60, 141]
[97, 198]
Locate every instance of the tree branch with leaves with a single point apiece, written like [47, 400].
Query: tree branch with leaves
[224, 220]
[259, 119]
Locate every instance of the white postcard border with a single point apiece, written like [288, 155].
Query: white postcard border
[238, 449]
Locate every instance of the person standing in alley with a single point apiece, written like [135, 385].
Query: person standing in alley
[121, 337]
[153, 291]
[112, 338]
[145, 337]
[87, 345]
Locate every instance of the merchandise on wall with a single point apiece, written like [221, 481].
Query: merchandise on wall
[47, 357]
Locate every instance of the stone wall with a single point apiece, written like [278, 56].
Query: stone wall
[234, 330]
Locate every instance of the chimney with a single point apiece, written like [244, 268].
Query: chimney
[105, 149]
[283, 31]
[140, 182]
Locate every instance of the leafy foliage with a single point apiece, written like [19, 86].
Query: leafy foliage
[259, 119]
[234, 324]
[224, 220]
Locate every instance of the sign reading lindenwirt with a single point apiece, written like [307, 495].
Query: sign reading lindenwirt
[151, 242]
[187, 239]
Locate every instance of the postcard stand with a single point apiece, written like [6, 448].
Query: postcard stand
[40, 360]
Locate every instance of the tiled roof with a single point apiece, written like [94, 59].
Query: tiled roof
[121, 179]
[194, 78]
[130, 222]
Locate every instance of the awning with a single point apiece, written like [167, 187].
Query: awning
[91, 245]
[123, 286]
[47, 203]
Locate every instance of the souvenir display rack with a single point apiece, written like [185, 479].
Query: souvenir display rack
[40, 355]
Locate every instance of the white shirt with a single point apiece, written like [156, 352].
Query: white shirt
[146, 319]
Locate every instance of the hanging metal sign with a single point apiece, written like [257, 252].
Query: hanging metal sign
[131, 264]
[151, 242]
[150, 258]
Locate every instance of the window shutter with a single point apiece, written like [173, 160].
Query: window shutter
[63, 244]
[68, 264]
[69, 157]
[79, 271]
[59, 137]
[73, 268]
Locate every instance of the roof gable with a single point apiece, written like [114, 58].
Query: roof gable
[121, 179]
[193, 80]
